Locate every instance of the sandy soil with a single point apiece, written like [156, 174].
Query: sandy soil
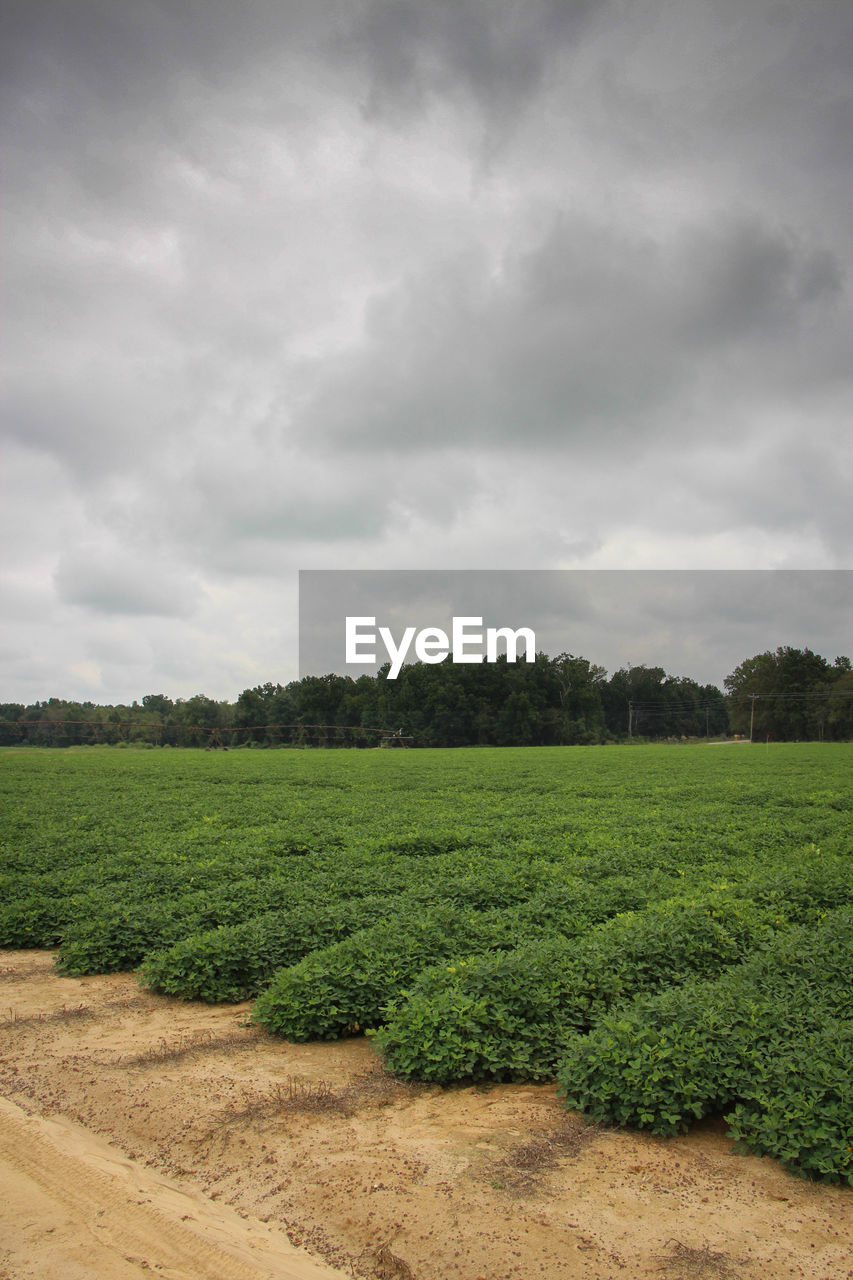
[140, 1135]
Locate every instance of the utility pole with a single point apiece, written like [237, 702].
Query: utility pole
[752, 696]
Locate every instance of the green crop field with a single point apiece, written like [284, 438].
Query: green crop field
[665, 931]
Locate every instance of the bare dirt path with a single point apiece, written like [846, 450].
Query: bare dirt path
[140, 1135]
[73, 1206]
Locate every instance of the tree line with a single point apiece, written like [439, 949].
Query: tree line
[787, 695]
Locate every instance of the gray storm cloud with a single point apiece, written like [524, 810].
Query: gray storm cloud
[390, 284]
[593, 335]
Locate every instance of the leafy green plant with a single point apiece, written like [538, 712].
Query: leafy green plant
[507, 1016]
[798, 1104]
[666, 1060]
[235, 962]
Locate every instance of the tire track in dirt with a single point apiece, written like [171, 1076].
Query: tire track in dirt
[114, 1219]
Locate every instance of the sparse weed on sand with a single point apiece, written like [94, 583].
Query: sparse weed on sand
[703, 1263]
[187, 1046]
[527, 1162]
[73, 1014]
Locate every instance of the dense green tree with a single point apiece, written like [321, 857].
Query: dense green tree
[838, 723]
[579, 684]
[157, 704]
[791, 693]
[785, 695]
[11, 713]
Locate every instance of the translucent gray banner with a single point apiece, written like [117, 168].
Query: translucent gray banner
[696, 623]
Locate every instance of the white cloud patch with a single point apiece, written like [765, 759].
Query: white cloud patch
[89, 673]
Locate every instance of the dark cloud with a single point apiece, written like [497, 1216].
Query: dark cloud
[593, 334]
[496, 53]
[562, 283]
[139, 56]
[750, 282]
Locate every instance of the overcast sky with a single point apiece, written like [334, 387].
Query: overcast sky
[408, 284]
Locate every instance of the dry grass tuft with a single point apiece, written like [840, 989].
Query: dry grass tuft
[704, 1262]
[11, 973]
[525, 1163]
[65, 1014]
[299, 1094]
[294, 1095]
[386, 1265]
[376, 1086]
[122, 1003]
[188, 1046]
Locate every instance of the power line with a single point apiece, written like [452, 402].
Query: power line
[816, 693]
[47, 723]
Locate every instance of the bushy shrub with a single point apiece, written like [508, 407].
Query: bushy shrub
[666, 1060]
[805, 888]
[115, 940]
[347, 986]
[235, 962]
[507, 1016]
[798, 1104]
[343, 989]
[35, 921]
[117, 932]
